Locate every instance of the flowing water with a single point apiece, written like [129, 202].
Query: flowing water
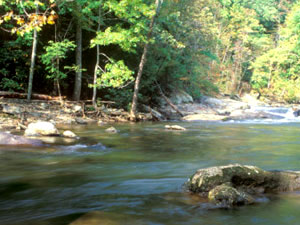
[136, 176]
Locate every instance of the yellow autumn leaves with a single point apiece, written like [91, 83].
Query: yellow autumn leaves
[26, 22]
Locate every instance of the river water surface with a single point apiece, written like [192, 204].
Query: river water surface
[139, 173]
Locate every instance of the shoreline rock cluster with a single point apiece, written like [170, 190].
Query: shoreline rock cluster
[36, 129]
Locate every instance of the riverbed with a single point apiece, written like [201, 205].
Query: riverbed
[139, 174]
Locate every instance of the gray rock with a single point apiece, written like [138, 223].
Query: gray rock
[174, 127]
[212, 102]
[226, 196]
[11, 109]
[10, 139]
[111, 130]
[180, 97]
[157, 115]
[77, 108]
[69, 134]
[81, 121]
[248, 115]
[106, 218]
[41, 128]
[238, 184]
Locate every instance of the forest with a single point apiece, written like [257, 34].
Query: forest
[124, 50]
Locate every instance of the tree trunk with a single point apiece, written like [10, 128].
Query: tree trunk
[97, 61]
[33, 57]
[78, 76]
[142, 63]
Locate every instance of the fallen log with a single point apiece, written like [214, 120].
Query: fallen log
[7, 94]
[169, 101]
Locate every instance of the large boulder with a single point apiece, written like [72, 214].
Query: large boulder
[225, 104]
[237, 184]
[250, 115]
[11, 109]
[179, 97]
[11, 139]
[41, 128]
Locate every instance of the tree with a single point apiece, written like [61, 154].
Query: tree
[27, 22]
[78, 76]
[97, 64]
[142, 63]
[55, 52]
[276, 72]
[127, 33]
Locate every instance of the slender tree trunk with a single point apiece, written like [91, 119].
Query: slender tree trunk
[78, 76]
[57, 70]
[97, 61]
[33, 57]
[142, 63]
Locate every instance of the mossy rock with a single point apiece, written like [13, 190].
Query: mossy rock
[239, 184]
[227, 196]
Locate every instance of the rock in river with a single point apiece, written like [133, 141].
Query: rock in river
[41, 129]
[106, 218]
[236, 184]
[11, 139]
[174, 127]
[111, 130]
[69, 134]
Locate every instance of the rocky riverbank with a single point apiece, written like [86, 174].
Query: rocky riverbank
[220, 109]
[18, 113]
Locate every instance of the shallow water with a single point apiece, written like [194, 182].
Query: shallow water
[139, 172]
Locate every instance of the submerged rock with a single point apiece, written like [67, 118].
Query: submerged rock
[41, 128]
[111, 130]
[11, 139]
[236, 184]
[296, 113]
[174, 127]
[106, 218]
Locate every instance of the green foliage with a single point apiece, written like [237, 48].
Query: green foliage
[115, 75]
[276, 73]
[122, 97]
[201, 46]
[127, 33]
[131, 28]
[55, 52]
[14, 61]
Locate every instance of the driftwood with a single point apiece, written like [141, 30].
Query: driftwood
[7, 94]
[156, 115]
[169, 101]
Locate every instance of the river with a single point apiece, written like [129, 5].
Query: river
[139, 173]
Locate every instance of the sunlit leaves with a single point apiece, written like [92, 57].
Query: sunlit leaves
[276, 72]
[115, 75]
[56, 51]
[25, 17]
